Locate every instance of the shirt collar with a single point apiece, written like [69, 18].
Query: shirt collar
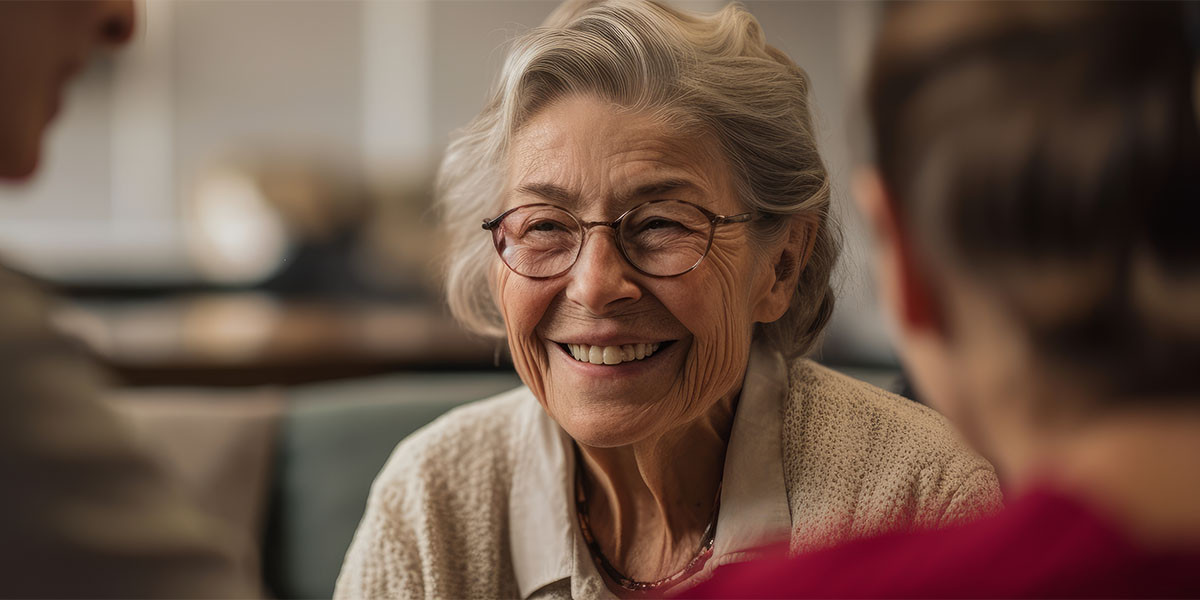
[754, 510]
[541, 534]
[545, 543]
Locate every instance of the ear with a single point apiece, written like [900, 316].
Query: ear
[788, 261]
[904, 285]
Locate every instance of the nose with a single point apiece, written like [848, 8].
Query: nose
[115, 21]
[601, 278]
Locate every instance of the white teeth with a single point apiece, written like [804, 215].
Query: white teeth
[611, 355]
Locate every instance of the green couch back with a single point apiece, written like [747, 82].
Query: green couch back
[334, 439]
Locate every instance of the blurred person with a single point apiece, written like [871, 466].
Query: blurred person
[656, 248]
[82, 513]
[1035, 199]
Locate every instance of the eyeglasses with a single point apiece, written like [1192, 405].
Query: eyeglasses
[660, 238]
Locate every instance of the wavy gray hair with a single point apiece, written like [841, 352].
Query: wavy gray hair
[709, 75]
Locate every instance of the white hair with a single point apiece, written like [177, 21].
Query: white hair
[709, 75]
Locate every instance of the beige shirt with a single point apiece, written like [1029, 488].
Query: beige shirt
[479, 504]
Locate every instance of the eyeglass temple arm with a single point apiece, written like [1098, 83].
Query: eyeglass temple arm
[490, 224]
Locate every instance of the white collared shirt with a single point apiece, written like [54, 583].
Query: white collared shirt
[549, 554]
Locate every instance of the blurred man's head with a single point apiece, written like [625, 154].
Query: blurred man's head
[42, 43]
[1036, 200]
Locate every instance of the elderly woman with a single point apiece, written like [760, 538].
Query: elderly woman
[656, 248]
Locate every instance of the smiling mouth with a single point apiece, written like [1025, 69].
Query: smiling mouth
[612, 355]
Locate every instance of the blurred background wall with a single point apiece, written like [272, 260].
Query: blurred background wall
[242, 195]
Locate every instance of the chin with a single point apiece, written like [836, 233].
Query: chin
[612, 406]
[605, 428]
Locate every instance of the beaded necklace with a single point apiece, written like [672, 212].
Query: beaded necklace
[628, 583]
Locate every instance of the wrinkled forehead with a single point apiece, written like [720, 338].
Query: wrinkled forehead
[582, 153]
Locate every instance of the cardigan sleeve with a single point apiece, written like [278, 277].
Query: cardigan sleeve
[396, 549]
[978, 495]
[435, 521]
[860, 461]
[383, 560]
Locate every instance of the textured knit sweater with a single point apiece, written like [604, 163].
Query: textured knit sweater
[449, 516]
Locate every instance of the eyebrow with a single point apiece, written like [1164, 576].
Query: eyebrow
[548, 191]
[657, 187]
[556, 193]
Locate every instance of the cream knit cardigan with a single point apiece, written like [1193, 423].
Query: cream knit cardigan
[857, 461]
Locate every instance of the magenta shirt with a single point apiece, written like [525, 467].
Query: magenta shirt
[1043, 545]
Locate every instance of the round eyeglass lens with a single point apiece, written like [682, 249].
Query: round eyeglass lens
[538, 241]
[665, 238]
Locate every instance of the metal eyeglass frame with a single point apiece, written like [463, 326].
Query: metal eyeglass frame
[713, 221]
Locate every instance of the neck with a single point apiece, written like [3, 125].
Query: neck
[1139, 466]
[650, 502]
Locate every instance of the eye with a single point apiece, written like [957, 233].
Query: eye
[657, 223]
[547, 226]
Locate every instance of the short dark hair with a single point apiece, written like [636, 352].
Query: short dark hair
[1052, 152]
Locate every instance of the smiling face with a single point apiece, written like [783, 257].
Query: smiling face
[583, 155]
[41, 45]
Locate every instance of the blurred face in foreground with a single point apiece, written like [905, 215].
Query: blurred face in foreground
[42, 43]
[617, 356]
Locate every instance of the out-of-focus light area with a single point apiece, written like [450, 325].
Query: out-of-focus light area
[243, 194]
